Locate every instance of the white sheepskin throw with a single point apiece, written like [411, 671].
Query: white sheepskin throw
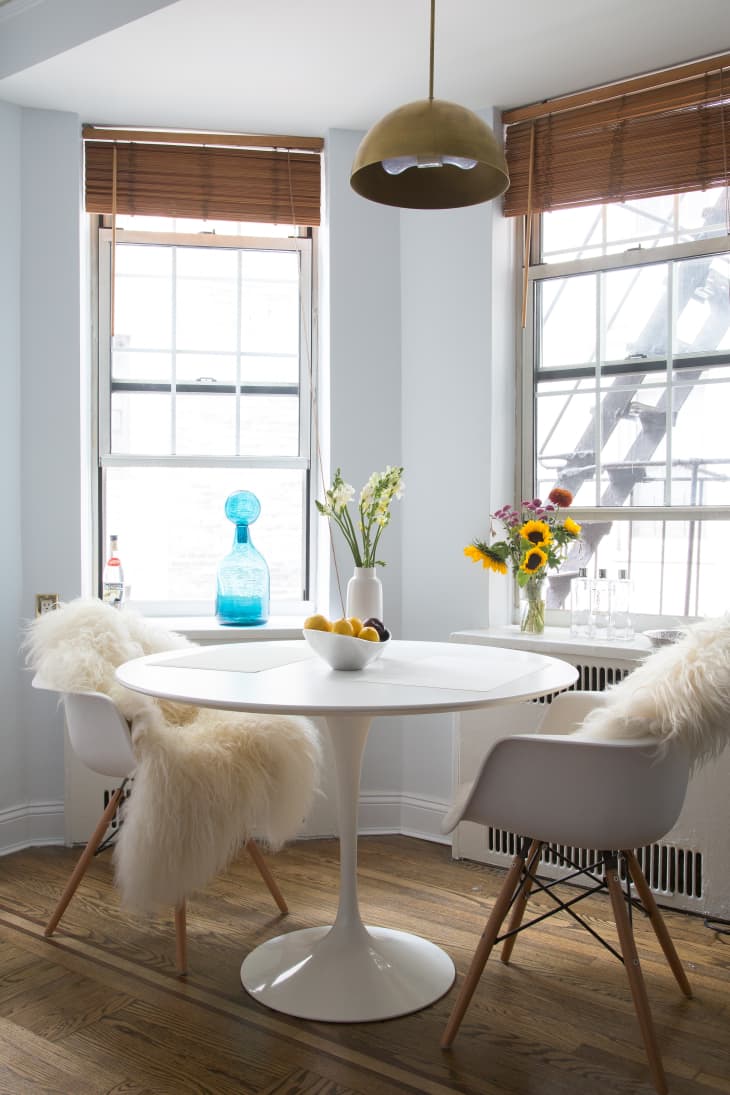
[679, 693]
[206, 780]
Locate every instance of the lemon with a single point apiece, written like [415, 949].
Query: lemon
[370, 634]
[342, 627]
[317, 623]
[356, 625]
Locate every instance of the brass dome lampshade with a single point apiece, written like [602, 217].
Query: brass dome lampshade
[430, 154]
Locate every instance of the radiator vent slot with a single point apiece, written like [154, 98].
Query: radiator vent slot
[109, 792]
[668, 869]
[591, 678]
[596, 678]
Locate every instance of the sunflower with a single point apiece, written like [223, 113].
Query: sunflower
[483, 554]
[534, 560]
[571, 526]
[537, 532]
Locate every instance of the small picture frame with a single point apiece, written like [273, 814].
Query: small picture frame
[46, 602]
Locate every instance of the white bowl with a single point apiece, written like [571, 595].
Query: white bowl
[665, 638]
[343, 651]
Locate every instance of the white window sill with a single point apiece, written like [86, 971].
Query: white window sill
[207, 629]
[555, 640]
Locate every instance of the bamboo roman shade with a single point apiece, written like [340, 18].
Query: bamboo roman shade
[659, 134]
[196, 175]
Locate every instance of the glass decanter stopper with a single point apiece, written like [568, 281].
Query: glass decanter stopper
[243, 575]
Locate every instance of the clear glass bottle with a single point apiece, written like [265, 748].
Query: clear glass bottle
[243, 575]
[580, 605]
[623, 627]
[112, 581]
[599, 625]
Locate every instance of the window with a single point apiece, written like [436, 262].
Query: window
[204, 389]
[626, 372]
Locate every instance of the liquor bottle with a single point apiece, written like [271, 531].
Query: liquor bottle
[599, 624]
[580, 605]
[623, 627]
[113, 577]
[243, 575]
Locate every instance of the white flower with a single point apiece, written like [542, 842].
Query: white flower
[340, 495]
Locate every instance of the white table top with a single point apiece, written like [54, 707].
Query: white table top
[286, 676]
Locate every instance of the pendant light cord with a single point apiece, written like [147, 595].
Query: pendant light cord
[430, 64]
[313, 406]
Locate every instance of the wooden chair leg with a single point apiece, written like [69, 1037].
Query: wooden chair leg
[481, 954]
[181, 939]
[520, 905]
[636, 979]
[83, 862]
[255, 852]
[657, 922]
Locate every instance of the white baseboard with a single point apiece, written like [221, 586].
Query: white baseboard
[30, 825]
[380, 812]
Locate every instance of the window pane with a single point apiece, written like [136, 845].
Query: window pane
[205, 424]
[141, 423]
[173, 530]
[269, 318]
[143, 297]
[567, 321]
[269, 425]
[635, 312]
[676, 567]
[207, 368]
[566, 439]
[703, 305]
[596, 230]
[269, 369]
[146, 367]
[206, 288]
[700, 451]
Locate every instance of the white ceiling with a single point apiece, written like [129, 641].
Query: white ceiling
[305, 66]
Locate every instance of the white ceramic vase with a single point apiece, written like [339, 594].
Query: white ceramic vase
[365, 594]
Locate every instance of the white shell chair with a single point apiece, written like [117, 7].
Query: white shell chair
[101, 738]
[614, 796]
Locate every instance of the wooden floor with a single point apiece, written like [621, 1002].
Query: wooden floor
[100, 1010]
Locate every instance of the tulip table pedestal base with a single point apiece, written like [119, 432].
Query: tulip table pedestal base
[347, 975]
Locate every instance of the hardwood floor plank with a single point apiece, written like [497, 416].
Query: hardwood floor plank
[558, 1020]
[30, 1064]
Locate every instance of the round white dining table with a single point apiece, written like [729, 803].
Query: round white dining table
[347, 972]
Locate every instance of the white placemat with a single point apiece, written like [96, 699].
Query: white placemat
[454, 671]
[240, 657]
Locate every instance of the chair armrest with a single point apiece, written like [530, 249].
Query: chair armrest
[567, 711]
[587, 794]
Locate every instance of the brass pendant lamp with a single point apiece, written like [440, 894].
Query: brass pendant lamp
[430, 154]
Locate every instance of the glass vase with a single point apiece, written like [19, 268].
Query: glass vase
[242, 596]
[532, 607]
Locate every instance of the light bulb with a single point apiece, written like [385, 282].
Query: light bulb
[396, 165]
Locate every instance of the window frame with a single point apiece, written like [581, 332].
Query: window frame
[527, 367]
[305, 245]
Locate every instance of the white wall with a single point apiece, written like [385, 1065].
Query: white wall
[362, 358]
[458, 440]
[54, 421]
[12, 772]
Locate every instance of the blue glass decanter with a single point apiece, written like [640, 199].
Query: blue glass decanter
[243, 575]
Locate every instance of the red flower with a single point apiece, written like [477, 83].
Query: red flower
[560, 497]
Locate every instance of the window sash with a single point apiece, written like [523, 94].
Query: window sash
[106, 459]
[530, 374]
[107, 385]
